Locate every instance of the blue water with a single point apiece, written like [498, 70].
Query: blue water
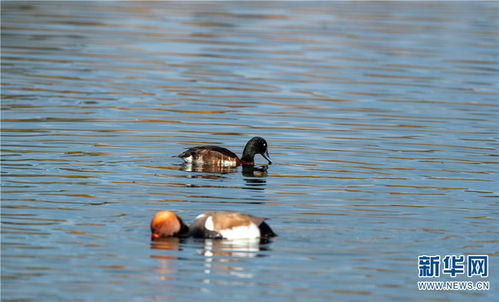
[381, 120]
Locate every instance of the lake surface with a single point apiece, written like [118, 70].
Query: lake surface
[381, 119]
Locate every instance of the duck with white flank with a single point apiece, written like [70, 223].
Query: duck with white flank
[212, 225]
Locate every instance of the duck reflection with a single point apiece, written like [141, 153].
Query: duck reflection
[251, 171]
[255, 177]
[166, 243]
[166, 268]
[255, 171]
[226, 257]
[247, 248]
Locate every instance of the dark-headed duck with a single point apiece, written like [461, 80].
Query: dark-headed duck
[218, 156]
[167, 224]
[230, 225]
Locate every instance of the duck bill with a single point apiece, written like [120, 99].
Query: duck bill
[267, 157]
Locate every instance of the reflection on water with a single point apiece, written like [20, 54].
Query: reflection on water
[165, 268]
[223, 258]
[381, 117]
[236, 248]
[255, 171]
[170, 243]
[254, 176]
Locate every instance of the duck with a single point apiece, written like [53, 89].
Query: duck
[166, 224]
[211, 225]
[230, 225]
[218, 156]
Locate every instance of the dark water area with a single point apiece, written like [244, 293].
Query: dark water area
[381, 120]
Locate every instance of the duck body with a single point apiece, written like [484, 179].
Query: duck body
[211, 225]
[229, 225]
[222, 157]
[211, 156]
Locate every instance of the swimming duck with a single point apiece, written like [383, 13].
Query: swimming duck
[213, 225]
[218, 156]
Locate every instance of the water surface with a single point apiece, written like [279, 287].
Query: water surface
[381, 120]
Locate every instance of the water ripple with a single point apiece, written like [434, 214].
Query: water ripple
[381, 121]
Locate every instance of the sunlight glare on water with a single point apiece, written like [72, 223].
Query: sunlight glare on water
[381, 120]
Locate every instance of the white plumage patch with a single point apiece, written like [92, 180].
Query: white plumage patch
[208, 224]
[241, 232]
[200, 161]
[228, 163]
